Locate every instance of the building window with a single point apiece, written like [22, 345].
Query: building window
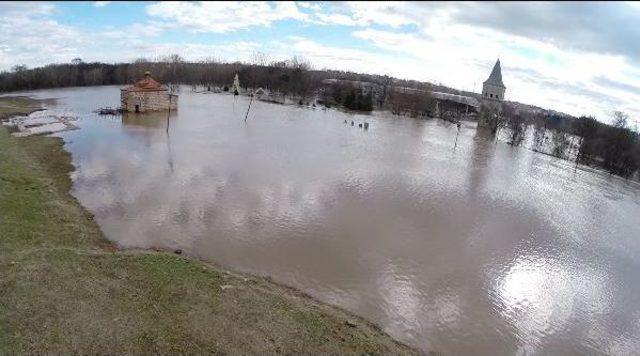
[491, 95]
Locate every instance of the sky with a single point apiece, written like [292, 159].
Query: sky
[577, 58]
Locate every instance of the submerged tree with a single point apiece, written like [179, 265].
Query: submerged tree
[355, 100]
[560, 141]
[539, 136]
[587, 129]
[515, 122]
[402, 101]
[620, 119]
[613, 147]
[492, 117]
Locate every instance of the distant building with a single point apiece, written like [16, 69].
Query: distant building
[448, 104]
[493, 88]
[147, 95]
[492, 96]
[363, 86]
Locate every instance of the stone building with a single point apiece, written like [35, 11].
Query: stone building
[492, 96]
[454, 105]
[493, 88]
[147, 95]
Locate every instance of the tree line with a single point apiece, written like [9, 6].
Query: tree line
[290, 77]
[613, 147]
[293, 77]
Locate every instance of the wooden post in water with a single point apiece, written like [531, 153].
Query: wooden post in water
[575, 169]
[249, 108]
[168, 114]
[457, 133]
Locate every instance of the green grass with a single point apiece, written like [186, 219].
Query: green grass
[65, 289]
[18, 105]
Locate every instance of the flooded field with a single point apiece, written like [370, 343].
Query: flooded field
[485, 249]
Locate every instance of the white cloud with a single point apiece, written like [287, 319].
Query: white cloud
[101, 3]
[224, 17]
[534, 72]
[393, 14]
[34, 8]
[135, 33]
[457, 48]
[383, 13]
[308, 5]
[233, 51]
[433, 42]
[336, 19]
[343, 58]
[28, 35]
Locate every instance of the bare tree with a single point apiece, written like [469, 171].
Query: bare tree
[492, 117]
[620, 119]
[515, 122]
[259, 58]
[560, 143]
[539, 135]
[19, 68]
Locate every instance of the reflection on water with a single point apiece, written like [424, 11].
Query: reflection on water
[485, 249]
[149, 123]
[150, 120]
[482, 147]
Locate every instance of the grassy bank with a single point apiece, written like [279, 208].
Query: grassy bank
[65, 289]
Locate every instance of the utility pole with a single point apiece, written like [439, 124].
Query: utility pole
[169, 138]
[579, 154]
[169, 114]
[457, 133]
[249, 108]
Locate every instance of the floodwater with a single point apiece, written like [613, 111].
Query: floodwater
[485, 249]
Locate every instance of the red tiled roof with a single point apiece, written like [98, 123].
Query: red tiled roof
[146, 84]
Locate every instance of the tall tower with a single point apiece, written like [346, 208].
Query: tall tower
[493, 88]
[235, 88]
[492, 97]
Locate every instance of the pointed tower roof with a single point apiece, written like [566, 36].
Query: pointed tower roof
[495, 78]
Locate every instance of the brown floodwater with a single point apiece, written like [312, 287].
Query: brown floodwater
[485, 249]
